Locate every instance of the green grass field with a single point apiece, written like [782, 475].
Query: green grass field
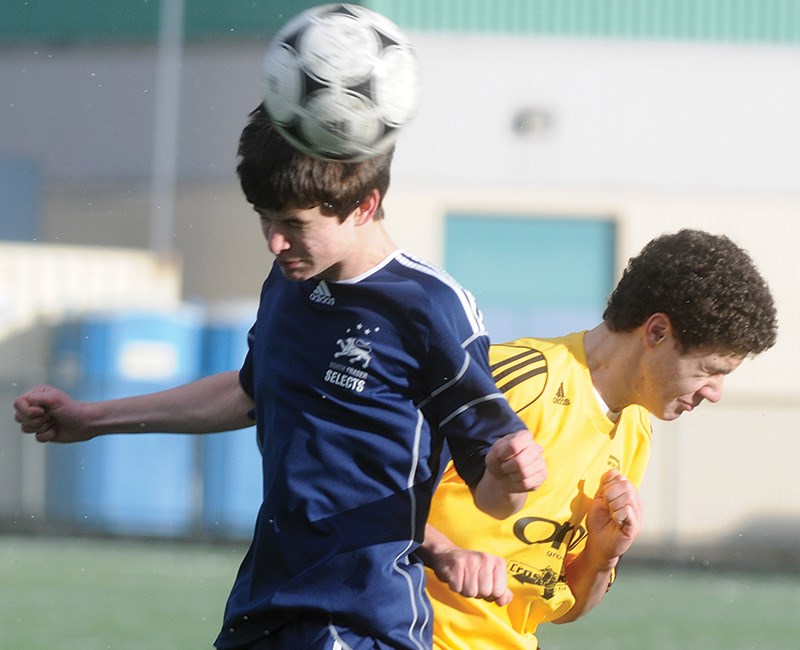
[661, 609]
[87, 594]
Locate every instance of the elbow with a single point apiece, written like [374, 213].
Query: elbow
[568, 617]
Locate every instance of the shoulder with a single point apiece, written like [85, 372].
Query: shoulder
[521, 368]
[426, 275]
[531, 356]
[639, 419]
[433, 289]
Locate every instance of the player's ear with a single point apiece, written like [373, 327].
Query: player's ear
[368, 207]
[657, 329]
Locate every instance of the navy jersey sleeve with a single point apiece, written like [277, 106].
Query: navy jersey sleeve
[465, 404]
[246, 371]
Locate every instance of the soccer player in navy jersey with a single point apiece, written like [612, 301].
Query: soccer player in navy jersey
[363, 361]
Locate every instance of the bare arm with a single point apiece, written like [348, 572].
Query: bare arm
[613, 522]
[214, 403]
[473, 574]
[514, 466]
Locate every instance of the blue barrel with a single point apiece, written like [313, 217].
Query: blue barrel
[141, 484]
[231, 461]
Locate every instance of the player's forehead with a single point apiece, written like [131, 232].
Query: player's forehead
[288, 214]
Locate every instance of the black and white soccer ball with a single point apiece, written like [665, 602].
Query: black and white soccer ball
[340, 81]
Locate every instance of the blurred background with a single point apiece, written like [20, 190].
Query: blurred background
[553, 140]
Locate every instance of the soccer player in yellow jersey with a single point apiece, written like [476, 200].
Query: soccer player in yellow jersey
[688, 309]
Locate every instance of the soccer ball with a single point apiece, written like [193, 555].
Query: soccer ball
[340, 81]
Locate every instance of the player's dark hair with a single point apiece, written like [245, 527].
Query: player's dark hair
[709, 287]
[276, 176]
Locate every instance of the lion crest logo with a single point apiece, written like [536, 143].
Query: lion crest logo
[356, 350]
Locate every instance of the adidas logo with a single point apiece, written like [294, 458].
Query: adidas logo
[322, 294]
[560, 398]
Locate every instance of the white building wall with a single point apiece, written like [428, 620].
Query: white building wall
[657, 135]
[657, 116]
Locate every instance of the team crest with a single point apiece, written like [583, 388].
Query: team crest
[355, 350]
[348, 368]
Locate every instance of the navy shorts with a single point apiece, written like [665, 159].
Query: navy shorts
[316, 633]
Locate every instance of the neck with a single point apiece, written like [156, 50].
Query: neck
[611, 359]
[372, 246]
[377, 244]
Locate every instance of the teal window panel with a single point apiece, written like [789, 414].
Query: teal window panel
[533, 276]
[764, 21]
[735, 21]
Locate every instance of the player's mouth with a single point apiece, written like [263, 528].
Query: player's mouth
[292, 268]
[290, 264]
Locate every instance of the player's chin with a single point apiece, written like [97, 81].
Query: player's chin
[672, 413]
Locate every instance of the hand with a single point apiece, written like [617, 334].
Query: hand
[474, 574]
[470, 573]
[614, 519]
[50, 414]
[517, 462]
[514, 466]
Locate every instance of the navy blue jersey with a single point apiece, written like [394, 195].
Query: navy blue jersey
[357, 385]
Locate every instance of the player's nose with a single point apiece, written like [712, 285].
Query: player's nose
[712, 391]
[276, 241]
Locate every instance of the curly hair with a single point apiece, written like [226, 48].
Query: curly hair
[707, 286]
[276, 176]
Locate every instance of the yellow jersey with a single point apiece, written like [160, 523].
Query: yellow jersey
[547, 382]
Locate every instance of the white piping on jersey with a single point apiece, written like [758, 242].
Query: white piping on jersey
[412, 526]
[465, 297]
[338, 643]
[447, 384]
[467, 300]
[476, 335]
[469, 405]
[374, 269]
[423, 598]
